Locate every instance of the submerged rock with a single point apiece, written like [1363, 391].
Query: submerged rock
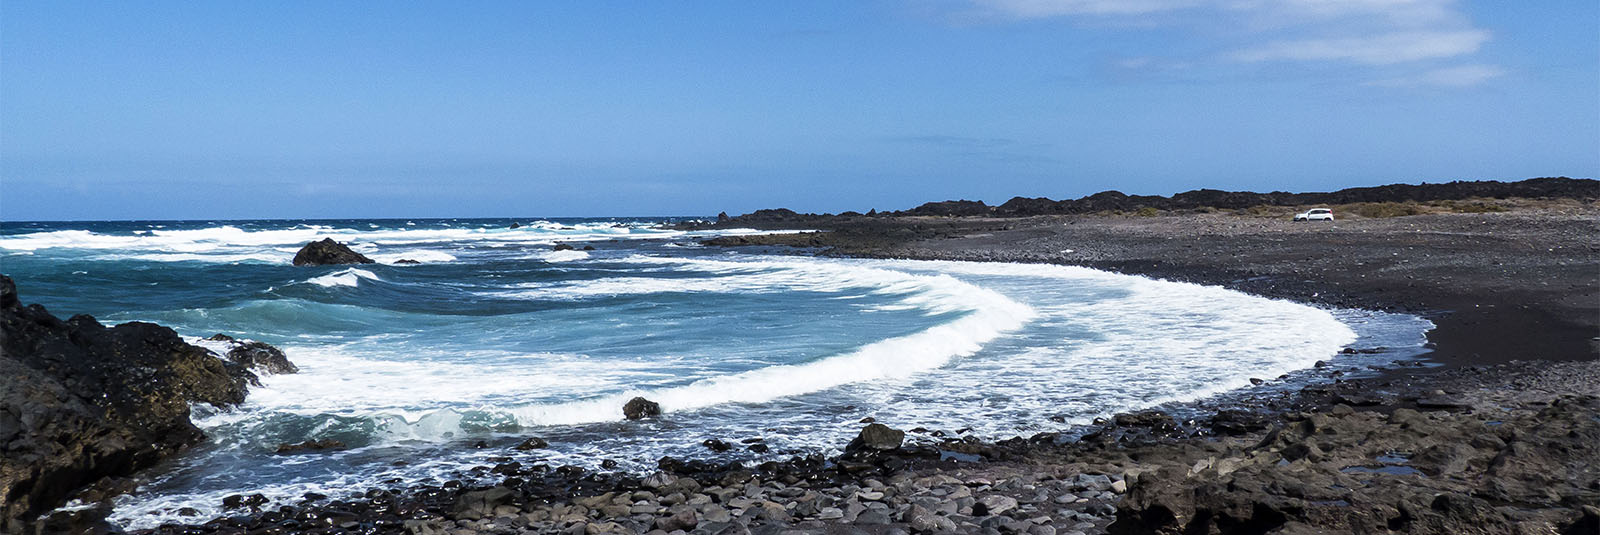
[638, 408]
[328, 252]
[83, 402]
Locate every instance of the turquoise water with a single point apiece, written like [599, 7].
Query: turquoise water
[494, 337]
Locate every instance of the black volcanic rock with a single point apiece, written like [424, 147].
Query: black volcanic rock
[952, 208]
[638, 408]
[80, 402]
[877, 437]
[327, 253]
[258, 356]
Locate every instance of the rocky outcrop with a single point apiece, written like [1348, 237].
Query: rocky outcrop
[256, 356]
[81, 402]
[1502, 471]
[327, 253]
[639, 408]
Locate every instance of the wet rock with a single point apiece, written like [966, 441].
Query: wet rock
[716, 445]
[80, 402]
[638, 408]
[532, 443]
[877, 437]
[407, 261]
[257, 356]
[327, 253]
[482, 503]
[562, 247]
[1238, 422]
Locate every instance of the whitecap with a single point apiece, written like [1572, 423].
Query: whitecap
[349, 278]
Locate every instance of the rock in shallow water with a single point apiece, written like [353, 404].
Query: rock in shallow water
[257, 356]
[327, 253]
[638, 408]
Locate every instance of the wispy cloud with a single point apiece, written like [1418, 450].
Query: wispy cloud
[1410, 35]
[1387, 49]
[1459, 76]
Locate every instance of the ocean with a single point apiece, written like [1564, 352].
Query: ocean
[494, 337]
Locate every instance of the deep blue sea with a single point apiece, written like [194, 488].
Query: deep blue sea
[495, 337]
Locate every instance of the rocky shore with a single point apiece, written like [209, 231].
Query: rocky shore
[1497, 436]
[85, 405]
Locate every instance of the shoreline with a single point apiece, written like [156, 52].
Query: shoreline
[1121, 449]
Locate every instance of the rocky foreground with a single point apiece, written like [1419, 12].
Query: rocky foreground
[84, 405]
[1507, 449]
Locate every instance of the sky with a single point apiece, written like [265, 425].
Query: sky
[240, 110]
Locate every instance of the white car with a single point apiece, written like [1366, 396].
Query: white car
[1315, 214]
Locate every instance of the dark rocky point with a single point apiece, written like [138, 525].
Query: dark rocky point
[638, 408]
[327, 253]
[83, 402]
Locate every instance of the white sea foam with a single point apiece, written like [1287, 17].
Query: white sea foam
[564, 256]
[1008, 345]
[349, 278]
[231, 244]
[426, 256]
[991, 315]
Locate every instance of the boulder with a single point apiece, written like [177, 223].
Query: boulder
[83, 402]
[638, 408]
[562, 247]
[256, 356]
[327, 253]
[877, 437]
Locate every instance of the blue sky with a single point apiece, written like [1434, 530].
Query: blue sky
[342, 109]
